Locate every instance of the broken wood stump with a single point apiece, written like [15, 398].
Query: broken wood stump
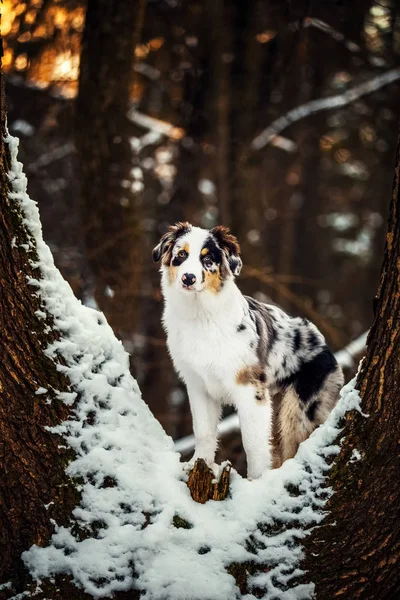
[202, 483]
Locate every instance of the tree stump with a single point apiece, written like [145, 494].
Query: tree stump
[203, 485]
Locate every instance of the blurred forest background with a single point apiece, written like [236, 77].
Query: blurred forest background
[277, 118]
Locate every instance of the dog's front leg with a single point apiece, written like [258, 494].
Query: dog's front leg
[255, 424]
[205, 415]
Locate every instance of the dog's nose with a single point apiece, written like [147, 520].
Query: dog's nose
[188, 279]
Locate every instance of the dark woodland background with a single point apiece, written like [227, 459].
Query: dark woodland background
[182, 114]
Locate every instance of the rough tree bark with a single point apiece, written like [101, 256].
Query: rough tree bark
[356, 552]
[32, 461]
[110, 207]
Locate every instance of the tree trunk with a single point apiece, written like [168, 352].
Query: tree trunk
[110, 202]
[32, 461]
[356, 552]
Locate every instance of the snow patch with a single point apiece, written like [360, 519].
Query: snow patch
[355, 456]
[123, 533]
[41, 391]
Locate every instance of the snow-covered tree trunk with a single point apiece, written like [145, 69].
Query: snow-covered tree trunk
[34, 487]
[355, 553]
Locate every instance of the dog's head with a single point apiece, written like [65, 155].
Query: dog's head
[196, 259]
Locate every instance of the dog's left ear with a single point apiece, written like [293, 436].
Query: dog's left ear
[229, 244]
[164, 247]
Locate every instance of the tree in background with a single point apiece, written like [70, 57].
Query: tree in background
[110, 207]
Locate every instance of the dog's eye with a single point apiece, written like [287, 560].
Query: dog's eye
[208, 262]
[182, 254]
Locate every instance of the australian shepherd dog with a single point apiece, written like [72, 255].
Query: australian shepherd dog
[232, 349]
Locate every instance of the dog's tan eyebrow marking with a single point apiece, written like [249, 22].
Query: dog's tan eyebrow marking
[204, 251]
[185, 247]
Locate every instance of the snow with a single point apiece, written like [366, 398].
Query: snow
[23, 127]
[355, 456]
[41, 391]
[206, 187]
[132, 484]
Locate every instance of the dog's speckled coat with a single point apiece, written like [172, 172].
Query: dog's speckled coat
[232, 349]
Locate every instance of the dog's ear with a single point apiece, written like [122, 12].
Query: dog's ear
[230, 246]
[163, 249]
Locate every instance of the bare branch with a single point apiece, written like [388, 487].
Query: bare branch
[314, 106]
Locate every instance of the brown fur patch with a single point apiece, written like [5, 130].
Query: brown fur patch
[213, 281]
[164, 248]
[186, 248]
[254, 376]
[289, 427]
[276, 437]
[226, 240]
[204, 251]
[172, 274]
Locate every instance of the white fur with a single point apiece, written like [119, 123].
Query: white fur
[208, 353]
[226, 356]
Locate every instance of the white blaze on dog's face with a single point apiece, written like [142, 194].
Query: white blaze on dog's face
[196, 259]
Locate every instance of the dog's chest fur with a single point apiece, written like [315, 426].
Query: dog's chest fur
[205, 343]
[222, 340]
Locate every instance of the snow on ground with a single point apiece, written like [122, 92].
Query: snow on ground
[123, 534]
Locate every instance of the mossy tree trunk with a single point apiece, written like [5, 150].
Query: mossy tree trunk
[355, 553]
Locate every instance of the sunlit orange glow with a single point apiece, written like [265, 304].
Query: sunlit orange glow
[156, 43]
[265, 36]
[177, 133]
[66, 66]
[7, 17]
[7, 58]
[21, 62]
[30, 17]
[60, 17]
[24, 37]
[39, 32]
[141, 50]
[18, 8]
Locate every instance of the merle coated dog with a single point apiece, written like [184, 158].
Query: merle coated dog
[231, 349]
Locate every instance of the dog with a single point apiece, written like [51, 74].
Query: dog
[232, 349]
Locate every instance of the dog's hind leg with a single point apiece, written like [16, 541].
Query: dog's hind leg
[293, 424]
[298, 418]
